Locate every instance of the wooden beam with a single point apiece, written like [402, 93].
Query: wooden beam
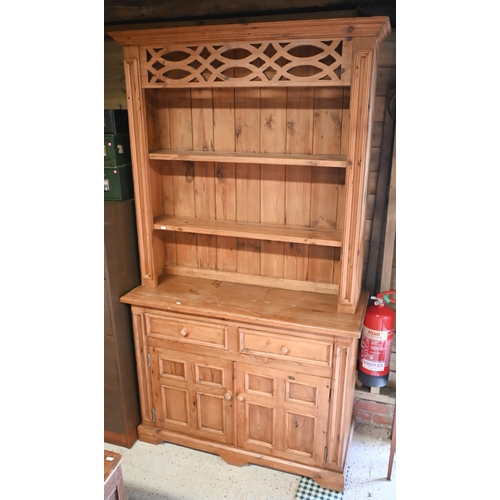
[390, 229]
[381, 194]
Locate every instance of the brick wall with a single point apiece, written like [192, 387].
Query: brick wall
[373, 413]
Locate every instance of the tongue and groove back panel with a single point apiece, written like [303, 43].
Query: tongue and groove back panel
[308, 121]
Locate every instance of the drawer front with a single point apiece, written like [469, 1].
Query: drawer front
[187, 330]
[285, 347]
[118, 183]
[116, 150]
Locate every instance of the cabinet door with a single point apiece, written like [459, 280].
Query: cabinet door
[282, 413]
[193, 394]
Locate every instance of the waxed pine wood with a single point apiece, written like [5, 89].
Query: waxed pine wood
[251, 176]
[254, 133]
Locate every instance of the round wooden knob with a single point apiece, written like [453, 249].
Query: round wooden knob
[239, 397]
[228, 395]
[284, 350]
[183, 332]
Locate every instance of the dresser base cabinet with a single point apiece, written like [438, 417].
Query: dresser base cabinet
[252, 374]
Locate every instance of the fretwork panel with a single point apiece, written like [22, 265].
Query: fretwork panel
[238, 64]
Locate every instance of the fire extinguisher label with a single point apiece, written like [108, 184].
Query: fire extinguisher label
[376, 334]
[376, 346]
[374, 366]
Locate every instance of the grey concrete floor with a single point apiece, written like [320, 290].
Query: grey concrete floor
[171, 472]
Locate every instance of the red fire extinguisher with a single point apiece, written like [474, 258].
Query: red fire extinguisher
[376, 341]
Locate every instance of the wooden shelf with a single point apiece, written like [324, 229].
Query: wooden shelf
[258, 158]
[306, 235]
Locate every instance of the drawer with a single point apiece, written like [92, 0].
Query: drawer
[187, 330]
[285, 347]
[116, 149]
[118, 183]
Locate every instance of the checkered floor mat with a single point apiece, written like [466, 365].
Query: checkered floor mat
[309, 490]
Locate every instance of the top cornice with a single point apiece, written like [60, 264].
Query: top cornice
[378, 27]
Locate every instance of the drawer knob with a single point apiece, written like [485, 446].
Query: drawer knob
[239, 397]
[284, 350]
[228, 395]
[183, 332]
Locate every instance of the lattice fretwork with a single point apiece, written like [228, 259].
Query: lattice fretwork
[289, 63]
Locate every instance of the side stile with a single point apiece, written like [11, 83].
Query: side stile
[361, 97]
[141, 352]
[140, 166]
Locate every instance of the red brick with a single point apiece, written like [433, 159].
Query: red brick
[363, 415]
[382, 419]
[374, 407]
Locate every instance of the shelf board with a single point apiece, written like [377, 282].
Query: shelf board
[305, 235]
[258, 158]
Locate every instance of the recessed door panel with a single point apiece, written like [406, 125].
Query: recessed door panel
[174, 406]
[282, 413]
[259, 428]
[210, 413]
[193, 394]
[300, 434]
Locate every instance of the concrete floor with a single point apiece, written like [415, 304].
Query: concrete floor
[171, 472]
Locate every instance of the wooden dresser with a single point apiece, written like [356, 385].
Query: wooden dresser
[250, 152]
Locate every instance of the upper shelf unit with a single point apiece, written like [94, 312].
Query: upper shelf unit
[250, 150]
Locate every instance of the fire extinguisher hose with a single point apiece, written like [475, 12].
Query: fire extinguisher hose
[384, 296]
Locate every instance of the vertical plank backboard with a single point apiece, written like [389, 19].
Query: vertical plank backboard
[183, 174]
[152, 126]
[273, 140]
[181, 137]
[225, 174]
[162, 120]
[168, 209]
[325, 189]
[300, 109]
[204, 180]
[247, 133]
[203, 120]
[158, 120]
[181, 127]
[204, 175]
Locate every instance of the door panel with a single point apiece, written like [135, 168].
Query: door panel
[193, 394]
[282, 413]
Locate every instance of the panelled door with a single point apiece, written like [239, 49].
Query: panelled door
[193, 394]
[282, 413]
